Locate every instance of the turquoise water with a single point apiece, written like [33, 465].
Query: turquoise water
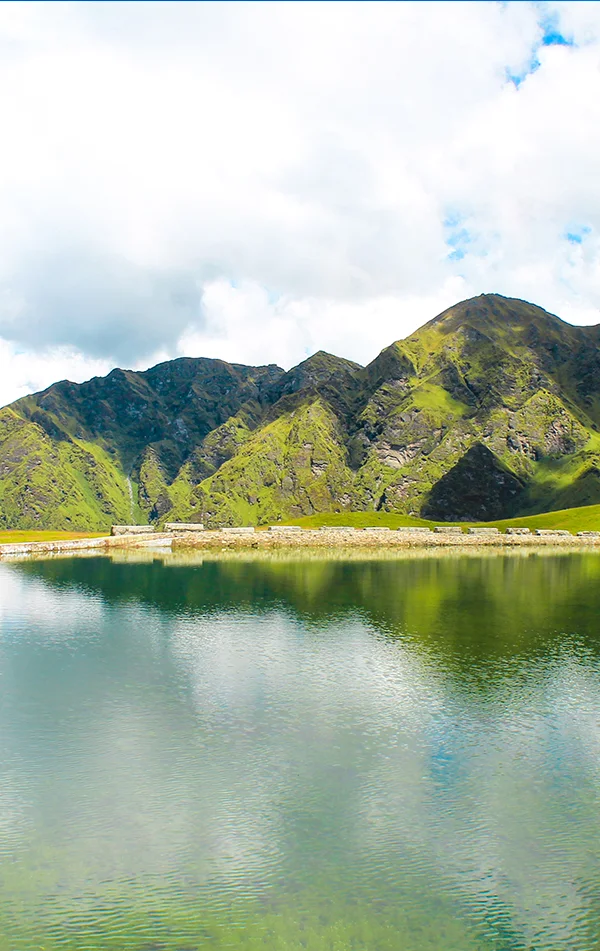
[272, 754]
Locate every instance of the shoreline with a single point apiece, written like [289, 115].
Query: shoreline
[307, 540]
[322, 540]
[103, 544]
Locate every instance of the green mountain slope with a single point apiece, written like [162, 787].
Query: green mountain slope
[83, 456]
[490, 410]
[495, 372]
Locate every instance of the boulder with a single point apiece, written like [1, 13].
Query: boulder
[337, 528]
[131, 529]
[184, 527]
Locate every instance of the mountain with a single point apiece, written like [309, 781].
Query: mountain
[89, 454]
[491, 409]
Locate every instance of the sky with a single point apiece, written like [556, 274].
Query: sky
[258, 181]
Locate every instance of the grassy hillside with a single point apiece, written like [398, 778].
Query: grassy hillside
[585, 518]
[14, 538]
[57, 484]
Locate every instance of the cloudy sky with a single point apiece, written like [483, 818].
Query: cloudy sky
[257, 181]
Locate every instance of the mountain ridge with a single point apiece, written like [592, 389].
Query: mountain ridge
[203, 439]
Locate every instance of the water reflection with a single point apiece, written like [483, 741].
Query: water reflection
[464, 609]
[292, 754]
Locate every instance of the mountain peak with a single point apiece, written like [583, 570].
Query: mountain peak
[318, 369]
[505, 320]
[327, 361]
[492, 309]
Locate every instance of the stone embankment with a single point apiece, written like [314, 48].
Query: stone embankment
[340, 537]
[182, 536]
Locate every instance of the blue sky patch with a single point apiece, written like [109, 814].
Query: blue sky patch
[550, 36]
[517, 78]
[458, 237]
[577, 234]
[554, 38]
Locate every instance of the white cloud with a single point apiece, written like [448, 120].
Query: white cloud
[260, 180]
[26, 372]
[291, 328]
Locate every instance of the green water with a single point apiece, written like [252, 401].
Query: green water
[400, 755]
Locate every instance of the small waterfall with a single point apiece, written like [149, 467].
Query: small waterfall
[130, 490]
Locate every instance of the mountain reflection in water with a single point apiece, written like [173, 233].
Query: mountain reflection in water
[301, 754]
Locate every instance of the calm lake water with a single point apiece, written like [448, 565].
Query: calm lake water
[279, 755]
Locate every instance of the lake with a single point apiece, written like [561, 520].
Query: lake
[275, 754]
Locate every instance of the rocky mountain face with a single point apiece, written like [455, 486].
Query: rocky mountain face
[491, 409]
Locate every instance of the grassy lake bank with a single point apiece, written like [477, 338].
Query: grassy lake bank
[15, 536]
[328, 543]
[580, 519]
[314, 535]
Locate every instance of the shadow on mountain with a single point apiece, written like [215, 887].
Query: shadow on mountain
[478, 488]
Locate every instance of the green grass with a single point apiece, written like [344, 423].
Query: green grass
[432, 397]
[11, 538]
[359, 520]
[274, 472]
[585, 518]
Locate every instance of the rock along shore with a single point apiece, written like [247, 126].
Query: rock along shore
[370, 539]
[334, 539]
